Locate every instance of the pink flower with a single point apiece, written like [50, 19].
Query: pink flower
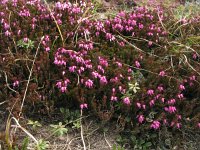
[103, 80]
[162, 73]
[122, 44]
[150, 34]
[24, 13]
[150, 43]
[97, 33]
[113, 90]
[178, 125]
[130, 70]
[140, 118]
[165, 121]
[7, 33]
[120, 88]
[160, 88]
[122, 14]
[43, 42]
[181, 87]
[179, 116]
[155, 125]
[191, 84]
[198, 125]
[16, 84]
[100, 68]
[192, 78]
[127, 101]
[33, 26]
[47, 38]
[119, 64]
[152, 102]
[6, 26]
[66, 82]
[82, 106]
[103, 61]
[63, 89]
[110, 37]
[82, 69]
[150, 92]
[95, 74]
[138, 105]
[115, 79]
[72, 69]
[194, 56]
[59, 84]
[18, 32]
[171, 101]
[157, 96]
[89, 83]
[170, 109]
[137, 64]
[180, 96]
[113, 98]
[47, 49]
[141, 26]
[172, 123]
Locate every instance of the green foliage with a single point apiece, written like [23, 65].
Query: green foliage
[27, 45]
[24, 146]
[187, 11]
[59, 129]
[25, 143]
[139, 141]
[70, 116]
[76, 124]
[117, 147]
[34, 124]
[140, 144]
[42, 145]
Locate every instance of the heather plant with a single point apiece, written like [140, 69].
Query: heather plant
[139, 67]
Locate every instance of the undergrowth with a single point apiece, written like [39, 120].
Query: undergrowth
[139, 67]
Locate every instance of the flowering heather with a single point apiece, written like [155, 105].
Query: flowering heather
[155, 125]
[127, 64]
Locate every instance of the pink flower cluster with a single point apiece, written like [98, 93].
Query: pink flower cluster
[82, 106]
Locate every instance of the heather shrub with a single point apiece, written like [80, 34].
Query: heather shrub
[139, 67]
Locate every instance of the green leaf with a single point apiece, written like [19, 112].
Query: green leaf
[34, 124]
[153, 135]
[62, 110]
[42, 145]
[25, 143]
[148, 144]
[128, 119]
[133, 138]
[144, 148]
[59, 129]
[142, 142]
[114, 147]
[168, 142]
